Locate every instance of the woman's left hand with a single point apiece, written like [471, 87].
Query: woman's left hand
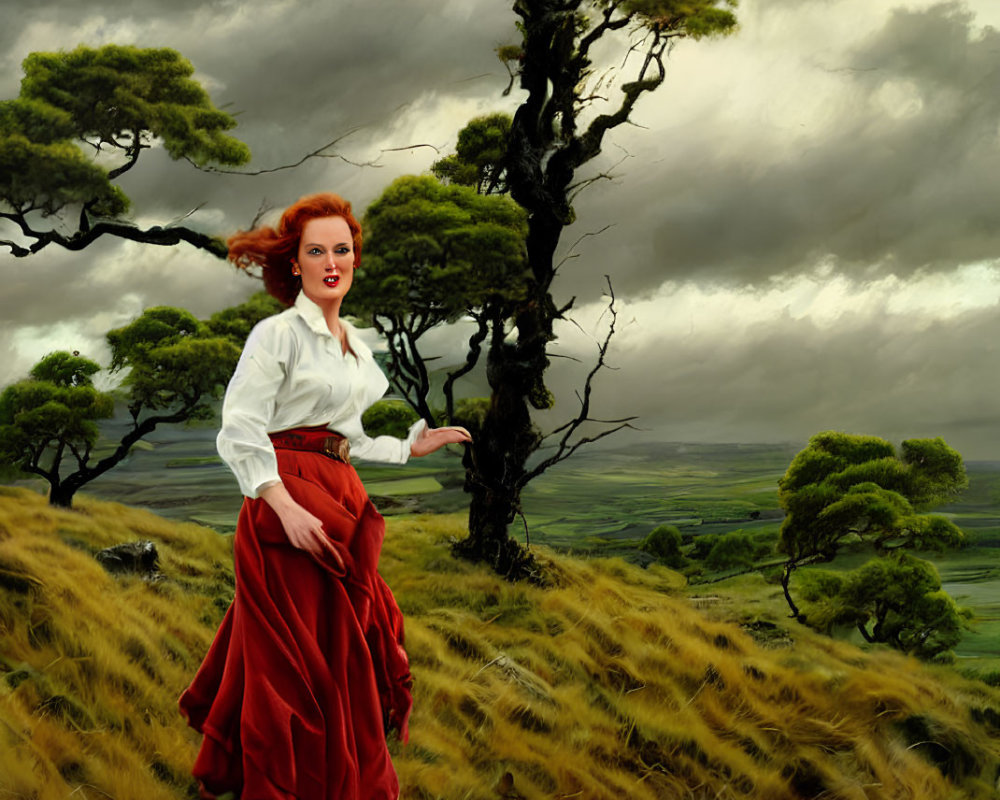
[431, 439]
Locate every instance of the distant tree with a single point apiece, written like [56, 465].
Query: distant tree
[108, 101]
[478, 160]
[236, 322]
[664, 544]
[896, 600]
[389, 417]
[732, 550]
[48, 423]
[52, 415]
[703, 544]
[844, 488]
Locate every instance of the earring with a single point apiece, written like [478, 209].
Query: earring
[295, 270]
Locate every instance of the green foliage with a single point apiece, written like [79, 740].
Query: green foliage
[694, 18]
[433, 255]
[732, 550]
[845, 486]
[470, 413]
[172, 367]
[479, 154]
[49, 175]
[703, 545]
[114, 92]
[116, 99]
[65, 369]
[938, 473]
[55, 409]
[664, 543]
[157, 325]
[389, 418]
[171, 361]
[435, 252]
[236, 322]
[895, 600]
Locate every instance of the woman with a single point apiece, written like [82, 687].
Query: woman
[307, 673]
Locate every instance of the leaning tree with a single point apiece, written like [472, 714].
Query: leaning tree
[558, 129]
[845, 490]
[439, 265]
[82, 120]
[174, 367]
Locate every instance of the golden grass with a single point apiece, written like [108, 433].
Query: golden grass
[607, 684]
[92, 665]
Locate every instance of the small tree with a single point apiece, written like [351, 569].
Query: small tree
[52, 415]
[732, 550]
[703, 544]
[112, 100]
[844, 488]
[664, 544]
[434, 254]
[389, 417]
[49, 421]
[895, 600]
[479, 155]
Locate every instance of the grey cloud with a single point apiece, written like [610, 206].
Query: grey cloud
[892, 376]
[908, 193]
[871, 192]
[325, 69]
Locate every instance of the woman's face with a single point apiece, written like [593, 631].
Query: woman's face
[325, 259]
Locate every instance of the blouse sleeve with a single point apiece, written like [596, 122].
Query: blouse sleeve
[249, 405]
[387, 449]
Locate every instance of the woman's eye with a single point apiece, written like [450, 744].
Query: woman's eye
[343, 251]
[314, 251]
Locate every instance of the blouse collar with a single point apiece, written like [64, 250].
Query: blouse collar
[312, 315]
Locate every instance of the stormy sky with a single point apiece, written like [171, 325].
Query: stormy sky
[802, 226]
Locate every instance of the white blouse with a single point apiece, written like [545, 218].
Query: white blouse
[294, 373]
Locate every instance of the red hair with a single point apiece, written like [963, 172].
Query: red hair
[274, 248]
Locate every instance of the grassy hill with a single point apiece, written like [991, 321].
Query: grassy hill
[609, 683]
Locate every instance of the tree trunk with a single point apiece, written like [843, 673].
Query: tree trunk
[61, 492]
[495, 464]
[61, 495]
[786, 577]
[544, 150]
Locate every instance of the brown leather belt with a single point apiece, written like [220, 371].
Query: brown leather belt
[314, 440]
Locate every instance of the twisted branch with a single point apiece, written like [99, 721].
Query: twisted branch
[565, 447]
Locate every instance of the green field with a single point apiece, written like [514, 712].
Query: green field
[601, 502]
[607, 501]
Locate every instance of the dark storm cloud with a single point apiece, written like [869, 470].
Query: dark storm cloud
[897, 376]
[905, 192]
[895, 175]
[296, 75]
[867, 148]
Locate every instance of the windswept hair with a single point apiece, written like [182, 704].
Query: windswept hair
[274, 248]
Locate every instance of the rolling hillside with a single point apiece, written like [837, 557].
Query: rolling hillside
[607, 683]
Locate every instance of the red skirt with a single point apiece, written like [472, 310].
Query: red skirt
[307, 673]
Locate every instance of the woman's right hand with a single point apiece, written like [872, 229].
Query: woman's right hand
[303, 529]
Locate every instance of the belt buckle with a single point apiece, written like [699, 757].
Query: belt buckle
[337, 447]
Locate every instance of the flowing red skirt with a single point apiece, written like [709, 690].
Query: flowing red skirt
[307, 672]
